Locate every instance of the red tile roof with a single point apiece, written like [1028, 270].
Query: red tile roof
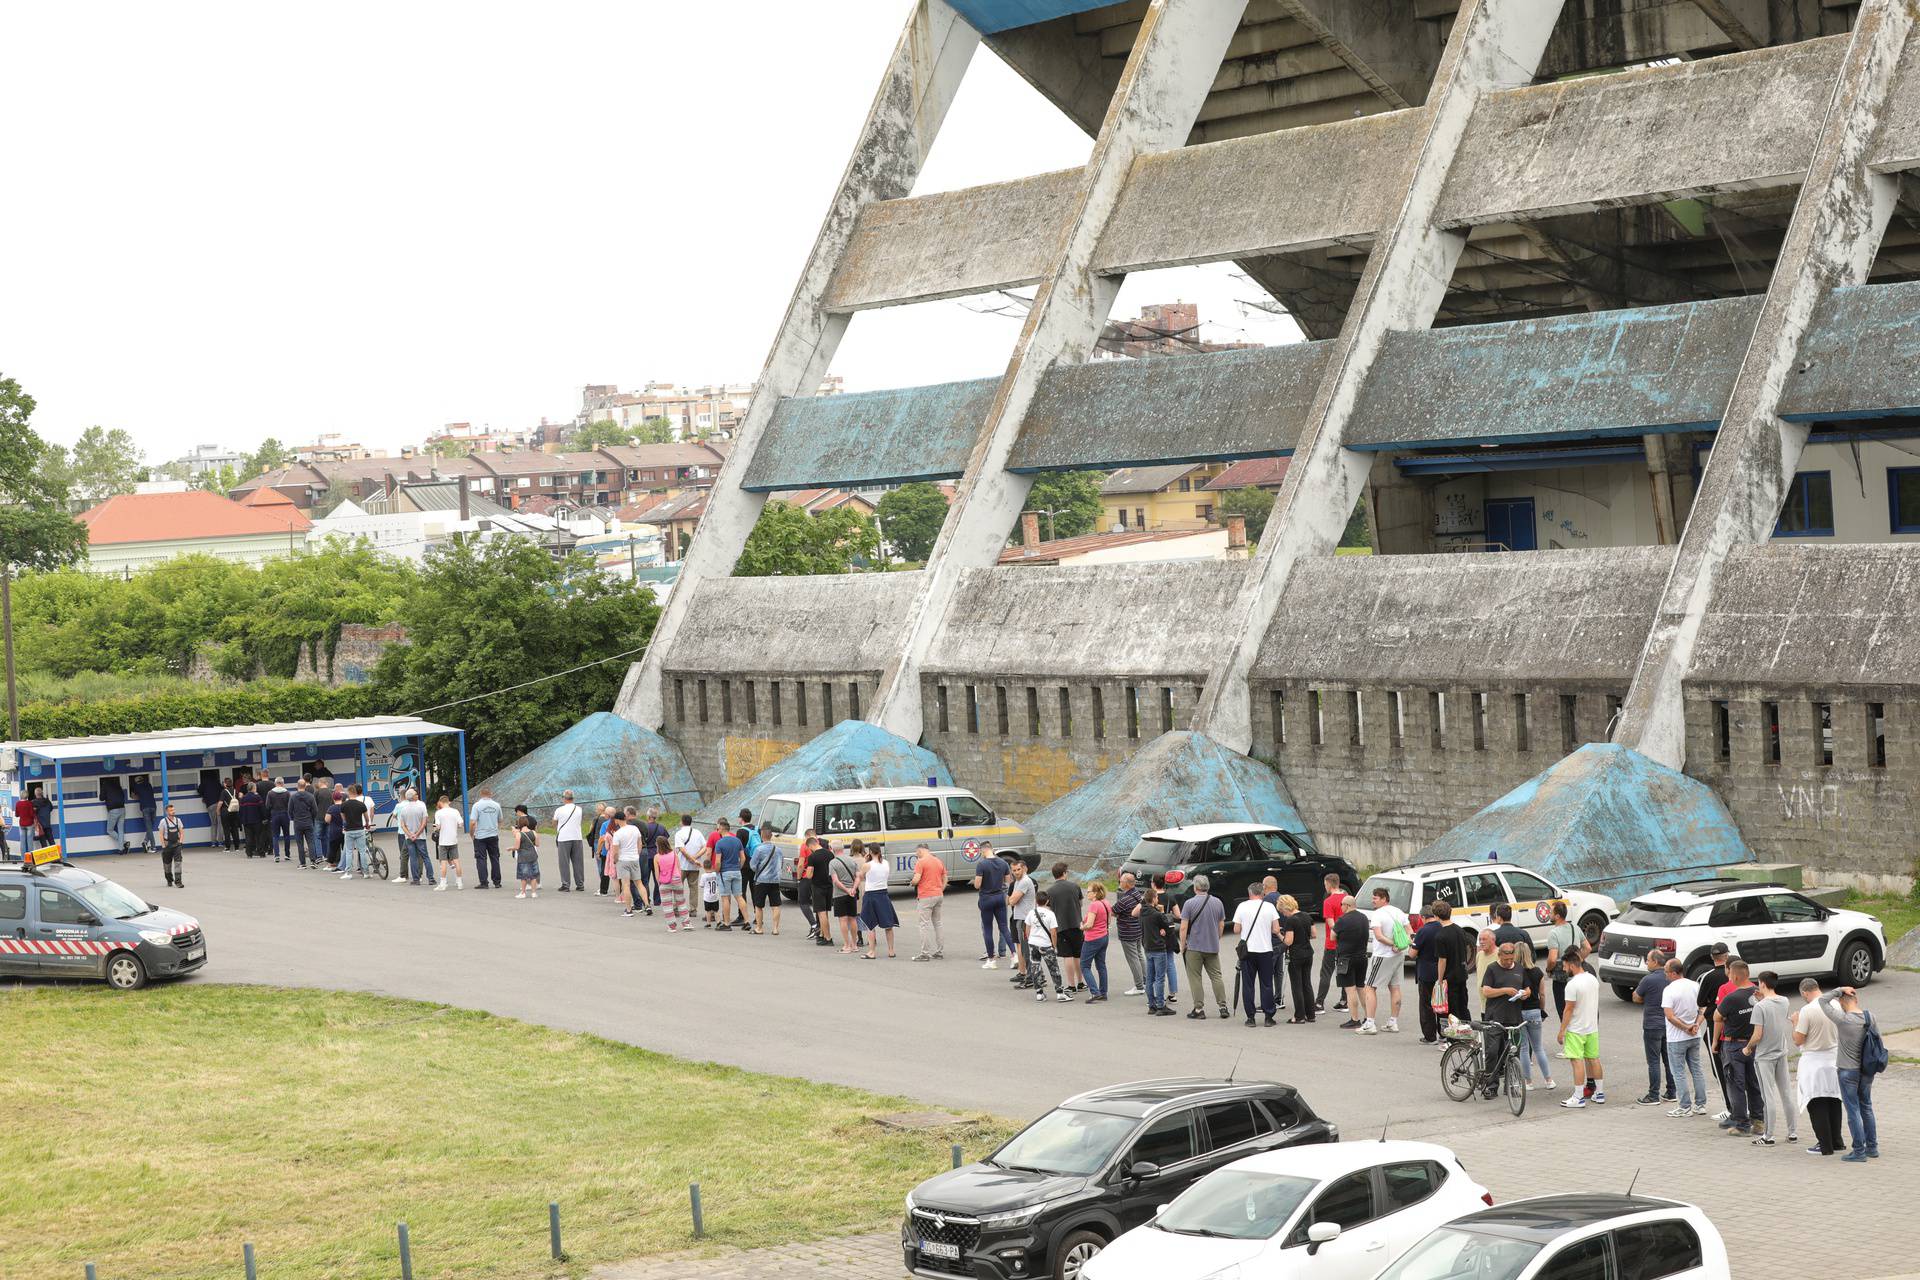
[1067, 548]
[1257, 473]
[172, 517]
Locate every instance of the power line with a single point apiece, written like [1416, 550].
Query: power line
[525, 684]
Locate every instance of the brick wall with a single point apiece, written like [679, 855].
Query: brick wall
[354, 657]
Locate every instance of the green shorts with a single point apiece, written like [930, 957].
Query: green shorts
[1581, 1046]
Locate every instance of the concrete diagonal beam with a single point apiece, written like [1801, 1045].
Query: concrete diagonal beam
[1837, 224]
[1175, 57]
[1381, 41]
[1495, 44]
[928, 64]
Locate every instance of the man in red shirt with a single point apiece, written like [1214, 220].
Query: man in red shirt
[929, 891]
[1332, 907]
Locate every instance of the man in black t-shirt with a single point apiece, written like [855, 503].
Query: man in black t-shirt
[990, 880]
[1733, 1027]
[1350, 934]
[1710, 984]
[1502, 986]
[1505, 930]
[353, 821]
[819, 888]
[1456, 962]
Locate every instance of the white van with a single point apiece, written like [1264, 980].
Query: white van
[949, 820]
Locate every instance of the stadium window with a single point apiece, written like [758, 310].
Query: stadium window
[1808, 512]
[1066, 712]
[1903, 499]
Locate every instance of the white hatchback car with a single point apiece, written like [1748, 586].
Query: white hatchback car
[1338, 1211]
[1573, 1237]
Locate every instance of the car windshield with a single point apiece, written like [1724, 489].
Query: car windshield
[1064, 1141]
[111, 902]
[1399, 891]
[1160, 853]
[1651, 913]
[1453, 1254]
[1236, 1204]
[781, 815]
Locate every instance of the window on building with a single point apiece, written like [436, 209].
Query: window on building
[1479, 720]
[1000, 708]
[1277, 708]
[972, 698]
[726, 702]
[1722, 730]
[1569, 722]
[1140, 518]
[1099, 712]
[1354, 736]
[1613, 712]
[1166, 709]
[702, 691]
[1066, 712]
[1808, 512]
[941, 708]
[1122, 513]
[773, 701]
[800, 703]
[1437, 718]
[1133, 711]
[1396, 723]
[1903, 499]
[1770, 725]
[826, 704]
[1033, 711]
[680, 700]
[1522, 731]
[1316, 719]
[1823, 725]
[1877, 735]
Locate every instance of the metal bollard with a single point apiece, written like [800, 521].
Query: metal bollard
[406, 1255]
[91, 1273]
[956, 1155]
[699, 1227]
[246, 1255]
[553, 1230]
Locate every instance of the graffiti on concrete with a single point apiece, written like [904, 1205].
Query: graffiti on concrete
[1819, 805]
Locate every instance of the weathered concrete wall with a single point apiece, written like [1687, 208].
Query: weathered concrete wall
[871, 437]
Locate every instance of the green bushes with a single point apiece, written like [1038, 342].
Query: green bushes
[260, 702]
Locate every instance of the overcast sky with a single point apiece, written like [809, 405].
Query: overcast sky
[224, 221]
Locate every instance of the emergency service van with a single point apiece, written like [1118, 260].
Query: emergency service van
[951, 821]
[58, 921]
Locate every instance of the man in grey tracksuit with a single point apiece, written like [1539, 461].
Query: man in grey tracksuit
[1772, 1023]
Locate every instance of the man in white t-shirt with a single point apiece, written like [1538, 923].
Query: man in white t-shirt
[1256, 920]
[1680, 1006]
[1580, 1032]
[691, 846]
[625, 839]
[573, 850]
[1386, 957]
[446, 834]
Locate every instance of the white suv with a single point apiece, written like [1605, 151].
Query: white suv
[1770, 926]
[1473, 889]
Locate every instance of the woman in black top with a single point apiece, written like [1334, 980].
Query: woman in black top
[1159, 937]
[1296, 928]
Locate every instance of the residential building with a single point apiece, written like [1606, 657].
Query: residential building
[676, 519]
[472, 439]
[410, 517]
[332, 447]
[1165, 497]
[203, 458]
[668, 468]
[131, 531]
[695, 412]
[1163, 329]
[1250, 473]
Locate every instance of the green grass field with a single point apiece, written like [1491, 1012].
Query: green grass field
[1899, 913]
[153, 1134]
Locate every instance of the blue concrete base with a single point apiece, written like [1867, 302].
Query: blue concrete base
[1177, 779]
[851, 754]
[604, 757]
[1607, 819]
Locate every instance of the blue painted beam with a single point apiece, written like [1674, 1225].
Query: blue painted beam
[871, 437]
[1861, 357]
[989, 16]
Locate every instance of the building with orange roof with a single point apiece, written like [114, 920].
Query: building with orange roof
[133, 530]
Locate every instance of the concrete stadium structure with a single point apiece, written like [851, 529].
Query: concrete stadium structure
[1496, 255]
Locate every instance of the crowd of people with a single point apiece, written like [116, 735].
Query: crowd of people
[1057, 938]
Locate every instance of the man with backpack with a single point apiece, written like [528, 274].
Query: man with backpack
[1386, 956]
[1863, 1055]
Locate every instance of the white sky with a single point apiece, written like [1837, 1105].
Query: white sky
[225, 221]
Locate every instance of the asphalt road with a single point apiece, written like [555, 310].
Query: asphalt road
[949, 1035]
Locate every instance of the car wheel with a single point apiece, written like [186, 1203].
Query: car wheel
[1624, 991]
[1593, 925]
[1074, 1253]
[1856, 964]
[125, 972]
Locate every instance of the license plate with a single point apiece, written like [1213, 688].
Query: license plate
[198, 953]
[1626, 961]
[934, 1250]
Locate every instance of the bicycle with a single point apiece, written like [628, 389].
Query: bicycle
[1463, 1067]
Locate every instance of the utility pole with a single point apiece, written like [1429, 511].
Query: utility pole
[6, 624]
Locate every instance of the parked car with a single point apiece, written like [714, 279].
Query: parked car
[1574, 1237]
[1770, 926]
[1232, 855]
[1333, 1212]
[1094, 1167]
[1475, 888]
[58, 921]
[949, 820]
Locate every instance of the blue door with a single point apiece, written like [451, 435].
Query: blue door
[1510, 525]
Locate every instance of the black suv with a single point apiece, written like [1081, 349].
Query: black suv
[1233, 855]
[1097, 1165]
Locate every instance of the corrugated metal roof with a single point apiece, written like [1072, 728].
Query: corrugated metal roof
[299, 733]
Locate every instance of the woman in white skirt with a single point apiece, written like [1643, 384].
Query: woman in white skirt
[1818, 1083]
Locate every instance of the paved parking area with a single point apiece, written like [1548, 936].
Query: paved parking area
[949, 1035]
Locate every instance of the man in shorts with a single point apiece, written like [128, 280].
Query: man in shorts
[1386, 956]
[764, 864]
[819, 887]
[624, 836]
[1063, 895]
[1580, 1032]
[729, 855]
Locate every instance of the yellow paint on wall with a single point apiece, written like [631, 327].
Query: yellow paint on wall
[741, 757]
[1039, 775]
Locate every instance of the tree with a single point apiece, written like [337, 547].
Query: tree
[1253, 503]
[655, 431]
[444, 448]
[1072, 496]
[1357, 534]
[786, 541]
[217, 479]
[910, 518]
[270, 456]
[494, 614]
[101, 464]
[36, 529]
[596, 435]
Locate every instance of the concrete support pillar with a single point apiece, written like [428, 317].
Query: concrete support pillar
[928, 64]
[1495, 44]
[1836, 228]
[1174, 60]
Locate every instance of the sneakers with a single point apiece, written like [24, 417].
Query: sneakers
[1764, 1141]
[1599, 1098]
[1679, 1112]
[1351, 1024]
[1134, 991]
[1393, 1026]
[1647, 1100]
[1367, 1029]
[440, 887]
[458, 883]
[400, 879]
[1700, 1110]
[1854, 1157]
[1575, 1103]
[348, 875]
[991, 963]
[1062, 997]
[918, 959]
[1041, 995]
